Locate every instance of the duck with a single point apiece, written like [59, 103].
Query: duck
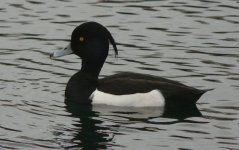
[90, 41]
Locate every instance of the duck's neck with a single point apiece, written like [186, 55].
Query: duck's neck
[91, 68]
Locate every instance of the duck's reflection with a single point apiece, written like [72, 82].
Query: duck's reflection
[92, 134]
[183, 112]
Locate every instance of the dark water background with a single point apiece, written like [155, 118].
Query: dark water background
[195, 42]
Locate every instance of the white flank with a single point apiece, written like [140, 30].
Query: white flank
[153, 98]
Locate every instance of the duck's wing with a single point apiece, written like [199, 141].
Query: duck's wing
[130, 83]
[132, 75]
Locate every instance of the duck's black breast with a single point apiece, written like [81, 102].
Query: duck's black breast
[130, 83]
[80, 87]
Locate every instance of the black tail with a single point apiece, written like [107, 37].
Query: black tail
[200, 93]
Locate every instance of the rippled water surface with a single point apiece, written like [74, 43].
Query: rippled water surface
[195, 42]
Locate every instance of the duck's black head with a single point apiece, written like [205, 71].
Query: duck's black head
[89, 41]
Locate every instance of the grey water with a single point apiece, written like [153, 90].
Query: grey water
[195, 42]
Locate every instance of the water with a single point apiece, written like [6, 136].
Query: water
[194, 42]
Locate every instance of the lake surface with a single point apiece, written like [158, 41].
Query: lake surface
[193, 42]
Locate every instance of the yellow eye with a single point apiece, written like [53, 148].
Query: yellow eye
[81, 39]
